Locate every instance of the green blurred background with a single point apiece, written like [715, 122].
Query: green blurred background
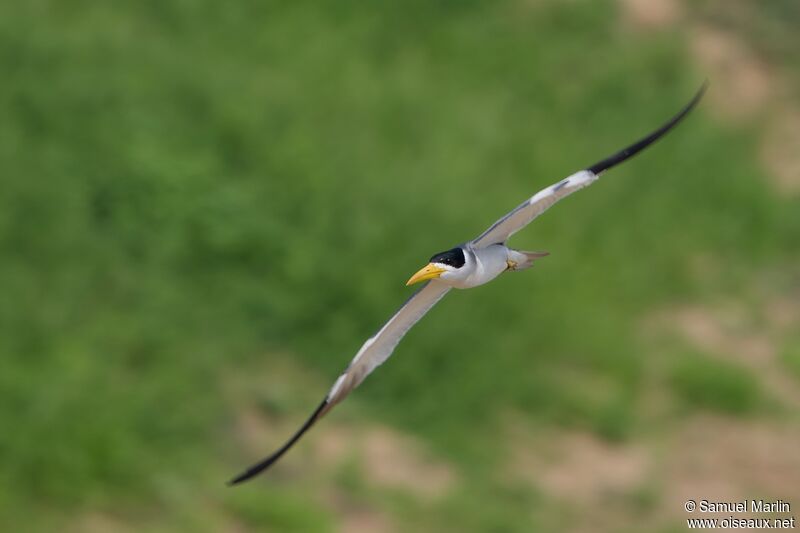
[206, 207]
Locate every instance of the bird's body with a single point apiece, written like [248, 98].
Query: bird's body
[482, 266]
[468, 265]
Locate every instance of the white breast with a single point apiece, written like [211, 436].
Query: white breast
[489, 263]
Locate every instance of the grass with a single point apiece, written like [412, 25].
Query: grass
[705, 383]
[790, 357]
[195, 193]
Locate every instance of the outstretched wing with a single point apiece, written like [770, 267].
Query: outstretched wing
[375, 351]
[541, 201]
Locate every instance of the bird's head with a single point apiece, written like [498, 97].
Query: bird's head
[447, 266]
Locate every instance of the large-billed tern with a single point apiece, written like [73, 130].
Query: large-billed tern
[467, 265]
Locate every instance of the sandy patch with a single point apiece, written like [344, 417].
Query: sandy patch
[358, 517]
[578, 466]
[724, 332]
[589, 469]
[651, 14]
[590, 482]
[783, 312]
[365, 521]
[334, 444]
[97, 522]
[394, 460]
[742, 84]
[387, 458]
[255, 430]
[729, 460]
[599, 486]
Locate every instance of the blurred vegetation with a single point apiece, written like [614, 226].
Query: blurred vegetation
[705, 383]
[194, 193]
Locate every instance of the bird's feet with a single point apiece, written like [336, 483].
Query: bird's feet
[511, 265]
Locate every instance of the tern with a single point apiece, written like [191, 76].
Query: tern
[467, 265]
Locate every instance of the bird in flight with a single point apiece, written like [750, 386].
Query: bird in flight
[467, 265]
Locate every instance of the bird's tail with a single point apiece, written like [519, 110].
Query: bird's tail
[525, 259]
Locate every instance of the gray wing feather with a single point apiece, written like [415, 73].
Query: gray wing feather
[523, 214]
[380, 346]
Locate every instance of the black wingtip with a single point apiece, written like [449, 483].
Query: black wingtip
[638, 146]
[267, 462]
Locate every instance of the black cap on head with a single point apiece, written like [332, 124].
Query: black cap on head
[454, 258]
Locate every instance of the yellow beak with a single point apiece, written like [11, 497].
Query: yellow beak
[429, 271]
